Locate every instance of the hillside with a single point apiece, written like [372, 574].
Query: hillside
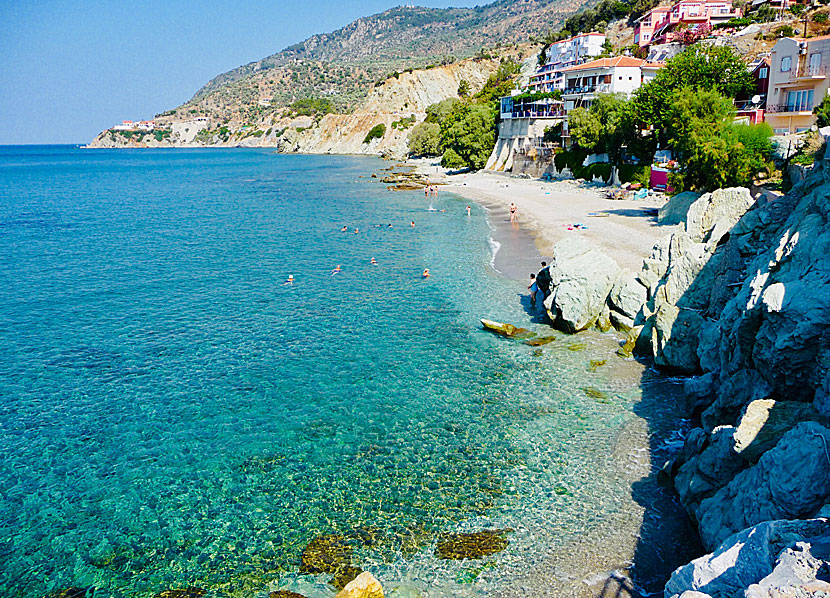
[412, 36]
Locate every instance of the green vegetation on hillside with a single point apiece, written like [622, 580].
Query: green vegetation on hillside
[376, 132]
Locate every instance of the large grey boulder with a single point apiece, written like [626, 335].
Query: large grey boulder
[772, 559]
[719, 209]
[581, 279]
[709, 469]
[764, 422]
[627, 295]
[790, 481]
[675, 210]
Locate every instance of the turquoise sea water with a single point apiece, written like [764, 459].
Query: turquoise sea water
[172, 415]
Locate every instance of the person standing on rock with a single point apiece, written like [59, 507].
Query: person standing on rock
[543, 280]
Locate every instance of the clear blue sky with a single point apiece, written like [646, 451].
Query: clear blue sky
[68, 70]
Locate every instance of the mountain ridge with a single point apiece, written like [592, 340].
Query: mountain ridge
[412, 36]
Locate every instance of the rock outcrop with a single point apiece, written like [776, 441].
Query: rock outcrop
[364, 585]
[581, 279]
[779, 559]
[737, 296]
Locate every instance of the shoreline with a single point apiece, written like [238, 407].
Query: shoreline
[625, 230]
[624, 551]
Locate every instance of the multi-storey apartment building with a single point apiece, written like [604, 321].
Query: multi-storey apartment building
[798, 81]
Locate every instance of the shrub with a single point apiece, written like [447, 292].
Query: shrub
[425, 140]
[470, 132]
[820, 18]
[376, 132]
[822, 112]
[463, 88]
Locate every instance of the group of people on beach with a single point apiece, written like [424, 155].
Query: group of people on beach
[373, 261]
[539, 284]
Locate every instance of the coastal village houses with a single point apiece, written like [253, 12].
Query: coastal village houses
[563, 54]
[798, 82]
[622, 74]
[656, 24]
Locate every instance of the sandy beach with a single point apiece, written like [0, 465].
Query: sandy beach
[626, 230]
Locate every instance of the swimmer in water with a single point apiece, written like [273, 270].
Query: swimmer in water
[412, 224]
[355, 231]
[468, 210]
[336, 270]
[374, 262]
[289, 280]
[426, 273]
[345, 229]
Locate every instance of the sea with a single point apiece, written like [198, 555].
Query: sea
[174, 415]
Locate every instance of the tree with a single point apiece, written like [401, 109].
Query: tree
[822, 112]
[584, 128]
[607, 127]
[468, 135]
[463, 88]
[425, 140]
[436, 113]
[713, 151]
[698, 67]
[499, 83]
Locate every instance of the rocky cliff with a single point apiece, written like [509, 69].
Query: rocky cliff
[398, 103]
[737, 296]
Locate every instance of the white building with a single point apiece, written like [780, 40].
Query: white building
[564, 54]
[621, 74]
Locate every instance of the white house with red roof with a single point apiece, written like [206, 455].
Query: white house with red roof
[621, 74]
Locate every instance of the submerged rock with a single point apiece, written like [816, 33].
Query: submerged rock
[191, 592]
[87, 592]
[364, 585]
[540, 340]
[506, 330]
[326, 554]
[474, 545]
[344, 575]
[284, 594]
[595, 393]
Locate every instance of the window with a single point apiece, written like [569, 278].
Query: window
[800, 101]
[763, 72]
[815, 64]
[786, 64]
[801, 129]
[781, 131]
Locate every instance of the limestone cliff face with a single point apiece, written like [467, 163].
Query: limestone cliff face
[397, 101]
[398, 98]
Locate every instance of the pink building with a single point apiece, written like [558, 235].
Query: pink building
[653, 26]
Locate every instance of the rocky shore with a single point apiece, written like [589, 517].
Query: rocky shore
[737, 297]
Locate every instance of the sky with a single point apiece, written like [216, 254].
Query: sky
[70, 69]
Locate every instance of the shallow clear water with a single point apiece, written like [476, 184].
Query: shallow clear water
[171, 414]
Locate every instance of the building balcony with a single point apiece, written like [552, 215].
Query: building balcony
[790, 109]
[583, 89]
[808, 72]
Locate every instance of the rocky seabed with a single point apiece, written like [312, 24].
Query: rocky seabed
[737, 298]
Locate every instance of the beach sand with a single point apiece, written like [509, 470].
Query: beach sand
[626, 230]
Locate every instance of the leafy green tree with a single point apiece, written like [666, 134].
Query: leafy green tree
[822, 112]
[436, 113]
[463, 88]
[607, 127]
[376, 132]
[718, 69]
[713, 151]
[425, 140]
[468, 134]
[499, 83]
